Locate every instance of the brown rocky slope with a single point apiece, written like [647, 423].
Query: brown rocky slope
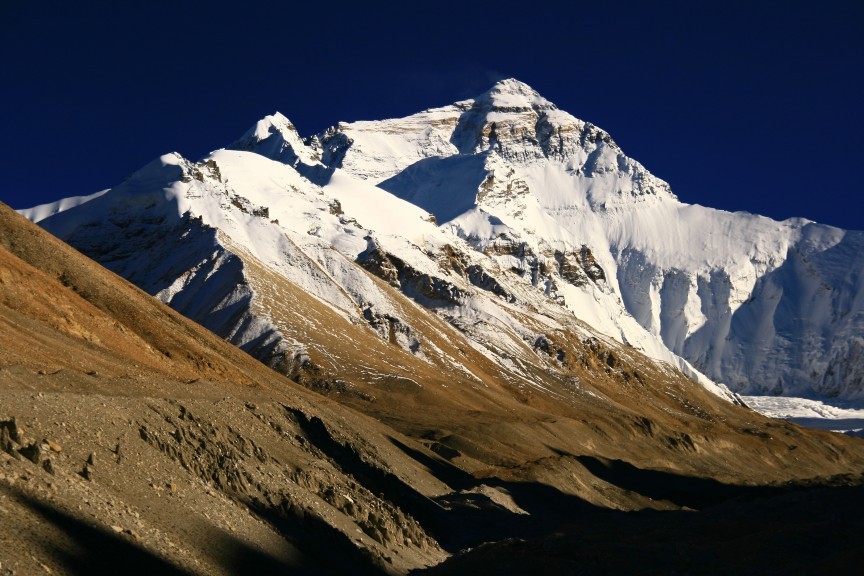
[133, 440]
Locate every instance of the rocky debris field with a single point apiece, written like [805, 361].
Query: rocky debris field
[206, 486]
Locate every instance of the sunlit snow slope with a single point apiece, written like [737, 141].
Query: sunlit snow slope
[508, 219]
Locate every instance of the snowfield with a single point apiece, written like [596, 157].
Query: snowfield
[810, 413]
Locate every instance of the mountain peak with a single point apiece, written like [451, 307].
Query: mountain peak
[513, 85]
[270, 124]
[274, 136]
[512, 94]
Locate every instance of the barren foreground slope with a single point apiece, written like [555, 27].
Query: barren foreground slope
[132, 440]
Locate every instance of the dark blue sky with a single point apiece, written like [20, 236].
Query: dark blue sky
[754, 106]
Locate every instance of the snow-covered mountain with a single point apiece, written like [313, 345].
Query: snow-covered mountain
[509, 219]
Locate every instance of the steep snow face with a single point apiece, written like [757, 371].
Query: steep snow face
[765, 306]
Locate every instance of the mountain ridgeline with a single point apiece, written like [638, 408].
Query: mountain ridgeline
[487, 211]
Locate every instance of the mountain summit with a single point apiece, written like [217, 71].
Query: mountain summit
[504, 217]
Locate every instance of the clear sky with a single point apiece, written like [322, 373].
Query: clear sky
[755, 106]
